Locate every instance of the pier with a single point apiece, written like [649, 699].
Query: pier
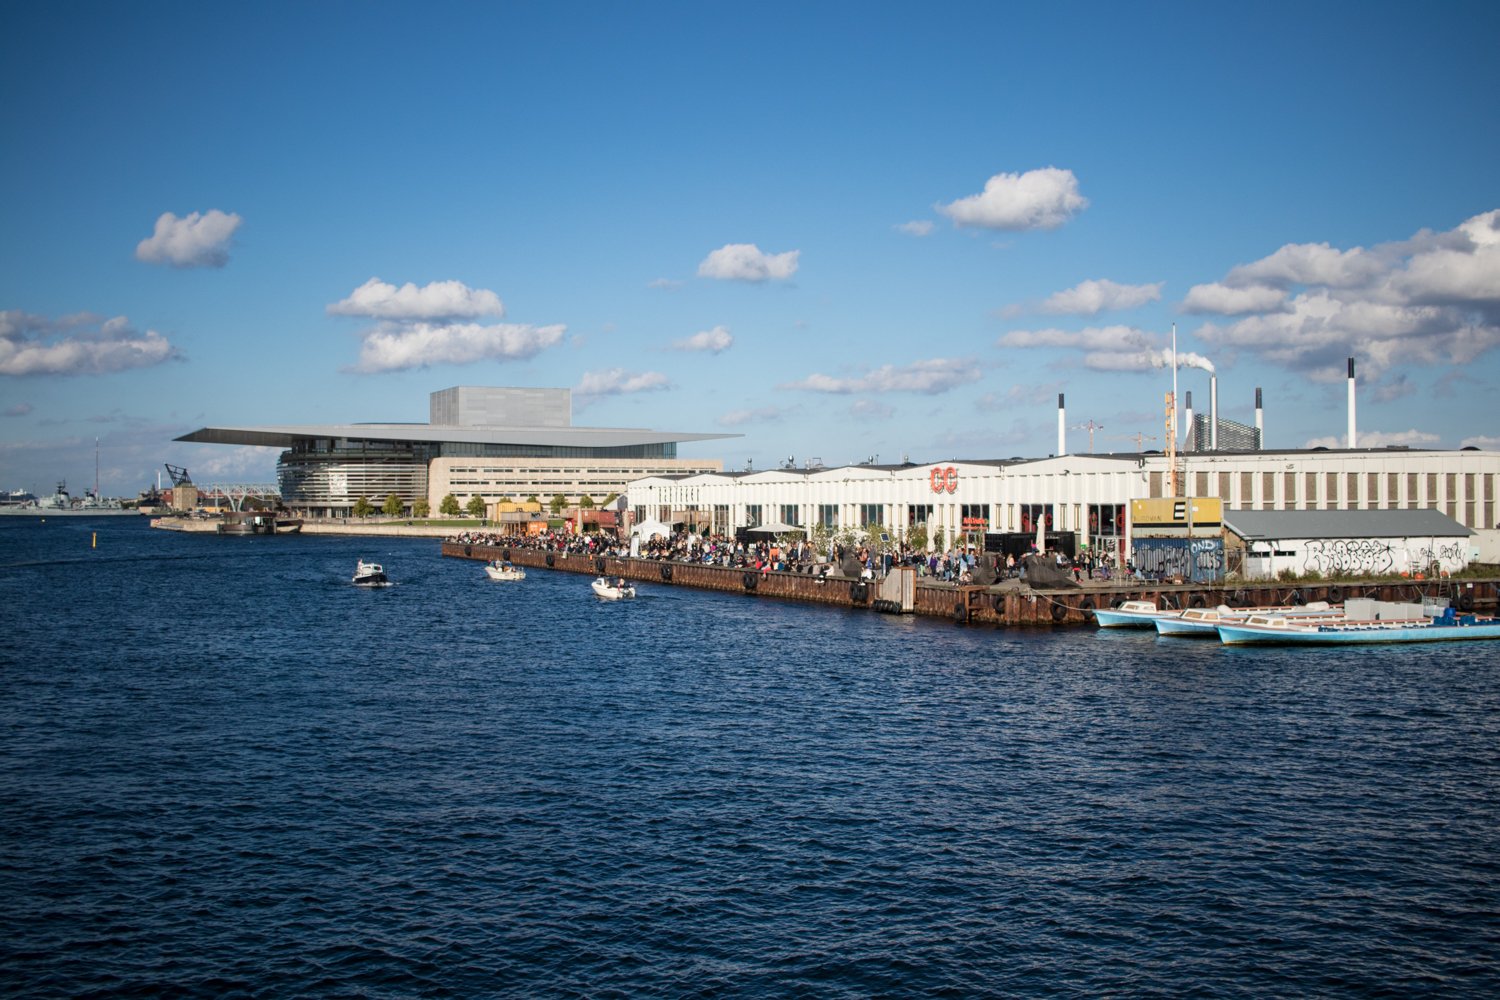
[1006, 604]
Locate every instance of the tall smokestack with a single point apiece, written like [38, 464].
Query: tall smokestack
[1062, 428]
[1351, 403]
[1213, 412]
[1187, 418]
[1260, 426]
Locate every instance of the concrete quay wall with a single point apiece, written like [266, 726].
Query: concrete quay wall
[1003, 605]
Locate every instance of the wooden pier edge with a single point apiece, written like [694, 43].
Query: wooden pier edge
[1002, 605]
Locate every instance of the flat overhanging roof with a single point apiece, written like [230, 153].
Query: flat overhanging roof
[566, 437]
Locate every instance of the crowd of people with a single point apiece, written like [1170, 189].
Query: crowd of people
[956, 564]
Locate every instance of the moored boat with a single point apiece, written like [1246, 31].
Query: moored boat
[62, 504]
[370, 575]
[613, 590]
[1203, 623]
[1131, 614]
[1278, 629]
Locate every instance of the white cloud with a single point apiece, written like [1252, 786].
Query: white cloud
[196, 240]
[421, 326]
[619, 382]
[1488, 442]
[1378, 439]
[396, 347]
[1037, 199]
[77, 345]
[438, 300]
[665, 284]
[930, 377]
[919, 227]
[871, 409]
[1308, 264]
[1433, 299]
[1092, 338]
[762, 415]
[746, 262]
[716, 340]
[1227, 301]
[1094, 296]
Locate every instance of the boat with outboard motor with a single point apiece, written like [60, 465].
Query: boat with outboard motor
[503, 569]
[370, 575]
[613, 590]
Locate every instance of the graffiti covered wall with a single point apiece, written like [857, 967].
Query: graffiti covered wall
[1200, 560]
[1374, 556]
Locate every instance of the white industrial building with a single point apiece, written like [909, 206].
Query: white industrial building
[1083, 499]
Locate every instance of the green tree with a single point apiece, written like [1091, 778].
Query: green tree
[475, 506]
[532, 499]
[362, 506]
[558, 503]
[420, 507]
[917, 537]
[448, 506]
[392, 506]
[611, 499]
[586, 502]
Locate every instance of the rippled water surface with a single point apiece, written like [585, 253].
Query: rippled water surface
[224, 771]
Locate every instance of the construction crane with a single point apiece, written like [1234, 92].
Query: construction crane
[1140, 439]
[1091, 427]
[179, 475]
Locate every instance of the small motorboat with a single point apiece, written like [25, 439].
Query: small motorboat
[1205, 622]
[503, 569]
[370, 575]
[1132, 614]
[613, 590]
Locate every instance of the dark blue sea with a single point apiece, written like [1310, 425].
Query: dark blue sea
[226, 772]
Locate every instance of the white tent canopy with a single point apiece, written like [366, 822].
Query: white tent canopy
[646, 529]
[775, 528]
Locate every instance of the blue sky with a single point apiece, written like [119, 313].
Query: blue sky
[843, 231]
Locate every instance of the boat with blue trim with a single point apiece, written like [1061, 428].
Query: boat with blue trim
[1280, 630]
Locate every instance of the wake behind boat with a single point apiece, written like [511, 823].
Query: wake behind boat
[370, 575]
[613, 590]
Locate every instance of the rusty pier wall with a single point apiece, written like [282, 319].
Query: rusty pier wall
[1002, 605]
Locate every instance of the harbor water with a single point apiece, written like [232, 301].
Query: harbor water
[225, 771]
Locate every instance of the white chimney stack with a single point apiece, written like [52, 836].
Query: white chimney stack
[1352, 443]
[1260, 427]
[1187, 418]
[1062, 428]
[1213, 412]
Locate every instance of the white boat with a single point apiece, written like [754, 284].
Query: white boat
[1131, 614]
[370, 575]
[613, 590]
[1283, 631]
[1203, 623]
[501, 569]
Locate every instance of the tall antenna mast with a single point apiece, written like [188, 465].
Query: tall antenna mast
[1172, 420]
[96, 467]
